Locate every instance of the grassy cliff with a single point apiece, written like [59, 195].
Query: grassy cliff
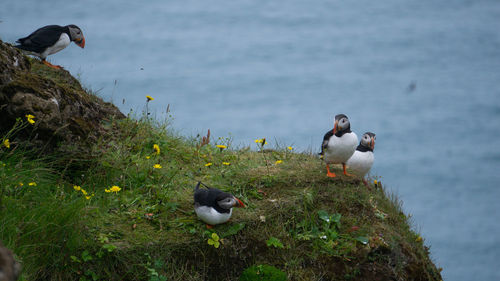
[123, 210]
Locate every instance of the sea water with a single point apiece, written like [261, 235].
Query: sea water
[423, 75]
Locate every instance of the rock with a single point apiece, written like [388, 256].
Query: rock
[64, 111]
[9, 267]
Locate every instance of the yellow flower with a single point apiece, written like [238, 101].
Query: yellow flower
[156, 149]
[6, 143]
[261, 141]
[214, 240]
[208, 164]
[77, 187]
[147, 157]
[221, 146]
[149, 98]
[157, 166]
[290, 148]
[115, 188]
[226, 163]
[89, 196]
[278, 162]
[21, 184]
[419, 238]
[32, 183]
[83, 191]
[30, 117]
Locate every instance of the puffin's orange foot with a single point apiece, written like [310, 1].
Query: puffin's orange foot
[345, 172]
[51, 65]
[328, 173]
[209, 226]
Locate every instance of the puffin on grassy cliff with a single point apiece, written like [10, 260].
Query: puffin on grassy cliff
[361, 161]
[214, 206]
[338, 144]
[51, 39]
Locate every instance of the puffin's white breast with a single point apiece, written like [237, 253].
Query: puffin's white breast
[361, 162]
[340, 149]
[211, 216]
[62, 43]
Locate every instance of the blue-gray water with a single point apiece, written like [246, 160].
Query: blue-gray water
[283, 69]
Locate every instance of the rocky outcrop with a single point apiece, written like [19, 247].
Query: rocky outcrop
[63, 111]
[9, 267]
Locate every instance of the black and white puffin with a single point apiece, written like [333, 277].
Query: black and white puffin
[214, 206]
[361, 161]
[338, 144]
[51, 39]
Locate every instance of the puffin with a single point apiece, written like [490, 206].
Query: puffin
[361, 161]
[9, 267]
[214, 206]
[51, 39]
[338, 144]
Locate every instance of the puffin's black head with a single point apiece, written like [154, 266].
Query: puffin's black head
[227, 201]
[368, 140]
[76, 35]
[341, 124]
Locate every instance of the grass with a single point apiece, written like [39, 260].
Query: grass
[319, 228]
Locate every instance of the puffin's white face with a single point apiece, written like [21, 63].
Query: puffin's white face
[229, 202]
[77, 35]
[368, 140]
[341, 124]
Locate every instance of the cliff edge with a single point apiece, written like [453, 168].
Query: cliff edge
[62, 109]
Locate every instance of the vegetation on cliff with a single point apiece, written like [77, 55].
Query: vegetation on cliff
[123, 210]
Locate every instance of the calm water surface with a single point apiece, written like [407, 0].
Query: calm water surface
[283, 69]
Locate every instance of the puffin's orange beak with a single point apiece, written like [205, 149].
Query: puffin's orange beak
[372, 143]
[240, 205]
[81, 43]
[335, 127]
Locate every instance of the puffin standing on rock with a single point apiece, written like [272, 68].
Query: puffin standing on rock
[362, 159]
[338, 144]
[214, 206]
[51, 39]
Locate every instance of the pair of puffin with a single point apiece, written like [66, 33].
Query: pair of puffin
[339, 147]
[51, 39]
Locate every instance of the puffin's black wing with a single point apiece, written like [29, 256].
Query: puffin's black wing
[41, 38]
[209, 197]
[326, 138]
[206, 197]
